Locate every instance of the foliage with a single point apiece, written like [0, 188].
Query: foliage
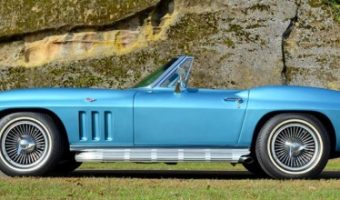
[335, 4]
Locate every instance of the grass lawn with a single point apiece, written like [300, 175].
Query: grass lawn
[239, 186]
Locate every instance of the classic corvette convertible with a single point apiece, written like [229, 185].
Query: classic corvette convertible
[279, 131]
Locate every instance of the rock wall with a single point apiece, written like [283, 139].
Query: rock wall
[312, 50]
[115, 43]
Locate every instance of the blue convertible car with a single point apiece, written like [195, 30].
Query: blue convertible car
[280, 131]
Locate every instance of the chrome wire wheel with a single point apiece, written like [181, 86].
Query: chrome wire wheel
[25, 144]
[295, 146]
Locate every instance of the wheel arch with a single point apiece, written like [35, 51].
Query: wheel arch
[50, 113]
[320, 116]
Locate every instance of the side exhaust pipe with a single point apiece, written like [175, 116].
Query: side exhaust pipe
[246, 159]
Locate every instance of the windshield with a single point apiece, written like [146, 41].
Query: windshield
[173, 79]
[154, 75]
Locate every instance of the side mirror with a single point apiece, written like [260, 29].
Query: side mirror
[178, 87]
[181, 83]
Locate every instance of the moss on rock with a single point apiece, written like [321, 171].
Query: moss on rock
[234, 44]
[26, 16]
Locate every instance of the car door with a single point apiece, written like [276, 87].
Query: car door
[194, 117]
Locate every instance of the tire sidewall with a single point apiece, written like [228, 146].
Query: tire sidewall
[53, 154]
[264, 141]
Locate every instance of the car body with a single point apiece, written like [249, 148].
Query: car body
[163, 120]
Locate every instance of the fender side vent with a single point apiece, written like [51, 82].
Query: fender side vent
[108, 126]
[96, 126]
[82, 126]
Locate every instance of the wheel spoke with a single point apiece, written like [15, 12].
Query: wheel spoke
[294, 146]
[24, 143]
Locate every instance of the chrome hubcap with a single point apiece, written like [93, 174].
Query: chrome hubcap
[295, 146]
[24, 144]
[295, 149]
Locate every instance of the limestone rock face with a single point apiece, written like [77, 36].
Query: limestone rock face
[27, 16]
[114, 44]
[313, 47]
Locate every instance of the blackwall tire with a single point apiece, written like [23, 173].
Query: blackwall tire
[30, 144]
[69, 166]
[254, 168]
[293, 146]
[66, 165]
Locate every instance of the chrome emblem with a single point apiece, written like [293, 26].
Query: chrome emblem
[89, 99]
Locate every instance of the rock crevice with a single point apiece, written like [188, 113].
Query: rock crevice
[285, 36]
[312, 50]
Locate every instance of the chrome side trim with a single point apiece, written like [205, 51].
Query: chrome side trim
[161, 155]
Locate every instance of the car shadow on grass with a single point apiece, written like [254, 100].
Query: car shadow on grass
[182, 174]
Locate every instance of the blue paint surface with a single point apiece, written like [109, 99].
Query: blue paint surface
[158, 117]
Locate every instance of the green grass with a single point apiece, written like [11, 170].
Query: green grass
[333, 165]
[170, 188]
[118, 188]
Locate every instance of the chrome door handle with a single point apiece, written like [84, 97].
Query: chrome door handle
[234, 99]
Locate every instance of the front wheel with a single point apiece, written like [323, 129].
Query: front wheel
[30, 144]
[293, 146]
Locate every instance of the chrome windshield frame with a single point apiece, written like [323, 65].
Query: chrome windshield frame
[171, 70]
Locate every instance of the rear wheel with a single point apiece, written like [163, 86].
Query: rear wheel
[293, 146]
[30, 144]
